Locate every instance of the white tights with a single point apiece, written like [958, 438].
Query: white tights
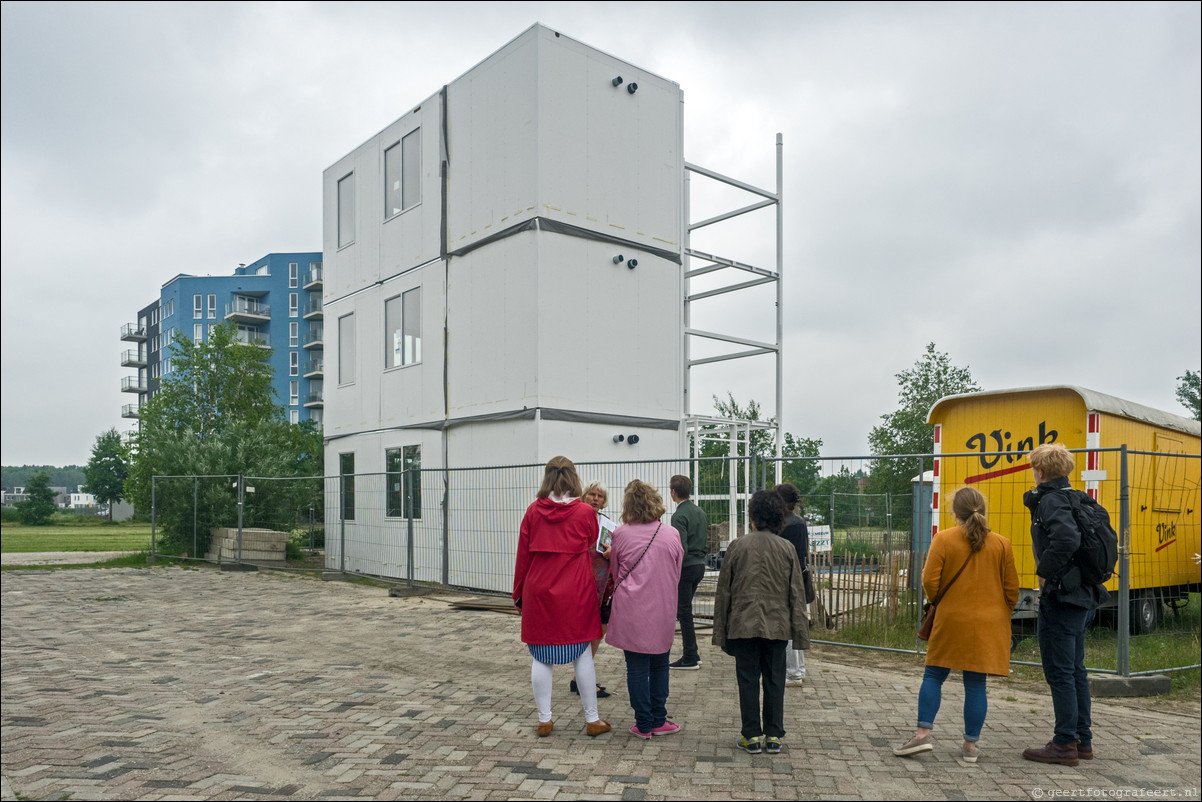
[586, 681]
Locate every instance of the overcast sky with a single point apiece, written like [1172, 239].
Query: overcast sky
[1017, 183]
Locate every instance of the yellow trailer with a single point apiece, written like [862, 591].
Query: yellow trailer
[981, 440]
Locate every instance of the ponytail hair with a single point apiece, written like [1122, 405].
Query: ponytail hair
[968, 506]
[560, 479]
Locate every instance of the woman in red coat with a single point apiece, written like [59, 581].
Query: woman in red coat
[553, 586]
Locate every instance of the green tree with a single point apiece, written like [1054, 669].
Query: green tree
[214, 416]
[1188, 392]
[107, 469]
[713, 473]
[905, 431]
[38, 508]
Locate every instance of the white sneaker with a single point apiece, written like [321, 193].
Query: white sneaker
[795, 682]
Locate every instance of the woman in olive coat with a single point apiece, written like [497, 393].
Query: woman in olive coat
[972, 624]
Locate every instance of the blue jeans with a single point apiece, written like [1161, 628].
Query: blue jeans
[975, 702]
[647, 684]
[1061, 631]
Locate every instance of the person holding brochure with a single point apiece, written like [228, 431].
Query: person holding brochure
[553, 586]
[596, 495]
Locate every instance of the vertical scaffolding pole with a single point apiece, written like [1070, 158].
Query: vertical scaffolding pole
[780, 298]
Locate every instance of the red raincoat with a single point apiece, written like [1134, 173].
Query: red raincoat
[553, 578]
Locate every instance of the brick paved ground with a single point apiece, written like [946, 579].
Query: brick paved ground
[196, 684]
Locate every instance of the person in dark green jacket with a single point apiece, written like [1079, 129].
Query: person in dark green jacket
[693, 527]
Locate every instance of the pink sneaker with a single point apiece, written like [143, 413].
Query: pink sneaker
[636, 732]
[667, 728]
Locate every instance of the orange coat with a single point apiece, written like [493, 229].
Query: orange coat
[972, 624]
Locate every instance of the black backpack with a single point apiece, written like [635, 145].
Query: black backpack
[1099, 550]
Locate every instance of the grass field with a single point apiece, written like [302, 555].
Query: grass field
[15, 538]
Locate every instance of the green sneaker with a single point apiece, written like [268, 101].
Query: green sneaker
[752, 745]
[772, 747]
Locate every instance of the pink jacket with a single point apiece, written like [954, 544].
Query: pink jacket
[644, 606]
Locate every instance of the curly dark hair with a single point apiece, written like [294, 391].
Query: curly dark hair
[767, 511]
[788, 493]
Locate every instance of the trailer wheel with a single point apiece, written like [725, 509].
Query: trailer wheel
[1145, 612]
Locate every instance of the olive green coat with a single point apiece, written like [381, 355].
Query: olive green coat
[761, 592]
[972, 623]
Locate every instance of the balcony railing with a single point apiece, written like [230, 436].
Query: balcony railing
[314, 368]
[313, 338]
[247, 308]
[132, 359]
[132, 332]
[129, 411]
[253, 338]
[313, 308]
[132, 384]
[312, 398]
[314, 278]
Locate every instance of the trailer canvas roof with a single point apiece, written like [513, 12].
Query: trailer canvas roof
[1095, 402]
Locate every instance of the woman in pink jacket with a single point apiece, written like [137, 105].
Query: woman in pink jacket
[645, 563]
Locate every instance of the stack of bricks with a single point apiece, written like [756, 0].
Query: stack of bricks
[259, 546]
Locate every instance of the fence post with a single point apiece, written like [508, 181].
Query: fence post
[241, 499]
[195, 502]
[1124, 658]
[409, 533]
[152, 514]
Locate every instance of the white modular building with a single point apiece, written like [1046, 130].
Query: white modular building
[503, 284]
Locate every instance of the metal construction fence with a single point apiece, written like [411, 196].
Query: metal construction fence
[871, 520]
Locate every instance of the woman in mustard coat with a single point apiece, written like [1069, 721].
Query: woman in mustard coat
[972, 624]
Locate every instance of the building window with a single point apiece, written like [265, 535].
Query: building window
[293, 274]
[198, 332]
[403, 329]
[346, 349]
[211, 327]
[293, 393]
[293, 303]
[294, 416]
[346, 467]
[411, 185]
[212, 306]
[294, 363]
[404, 481]
[346, 210]
[293, 335]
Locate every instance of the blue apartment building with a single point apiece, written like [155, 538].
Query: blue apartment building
[275, 302]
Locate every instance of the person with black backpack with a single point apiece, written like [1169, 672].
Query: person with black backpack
[1069, 594]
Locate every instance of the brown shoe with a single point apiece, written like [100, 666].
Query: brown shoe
[1064, 754]
[544, 728]
[595, 728]
[1084, 752]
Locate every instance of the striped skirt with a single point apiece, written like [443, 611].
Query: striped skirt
[557, 654]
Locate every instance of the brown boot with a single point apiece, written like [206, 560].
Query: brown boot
[595, 728]
[1064, 754]
[1084, 751]
[544, 728]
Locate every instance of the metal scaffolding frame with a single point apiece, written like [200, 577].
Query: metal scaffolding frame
[759, 275]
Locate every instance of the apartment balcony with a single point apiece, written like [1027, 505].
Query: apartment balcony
[132, 384]
[313, 338]
[133, 333]
[247, 310]
[313, 279]
[255, 338]
[133, 359]
[314, 368]
[313, 399]
[313, 309]
[129, 411]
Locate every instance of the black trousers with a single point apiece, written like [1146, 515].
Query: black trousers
[690, 578]
[756, 660]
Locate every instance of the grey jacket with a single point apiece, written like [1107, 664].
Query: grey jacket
[760, 592]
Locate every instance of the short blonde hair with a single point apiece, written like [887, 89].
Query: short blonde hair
[1052, 460]
[642, 504]
[560, 479]
[600, 488]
